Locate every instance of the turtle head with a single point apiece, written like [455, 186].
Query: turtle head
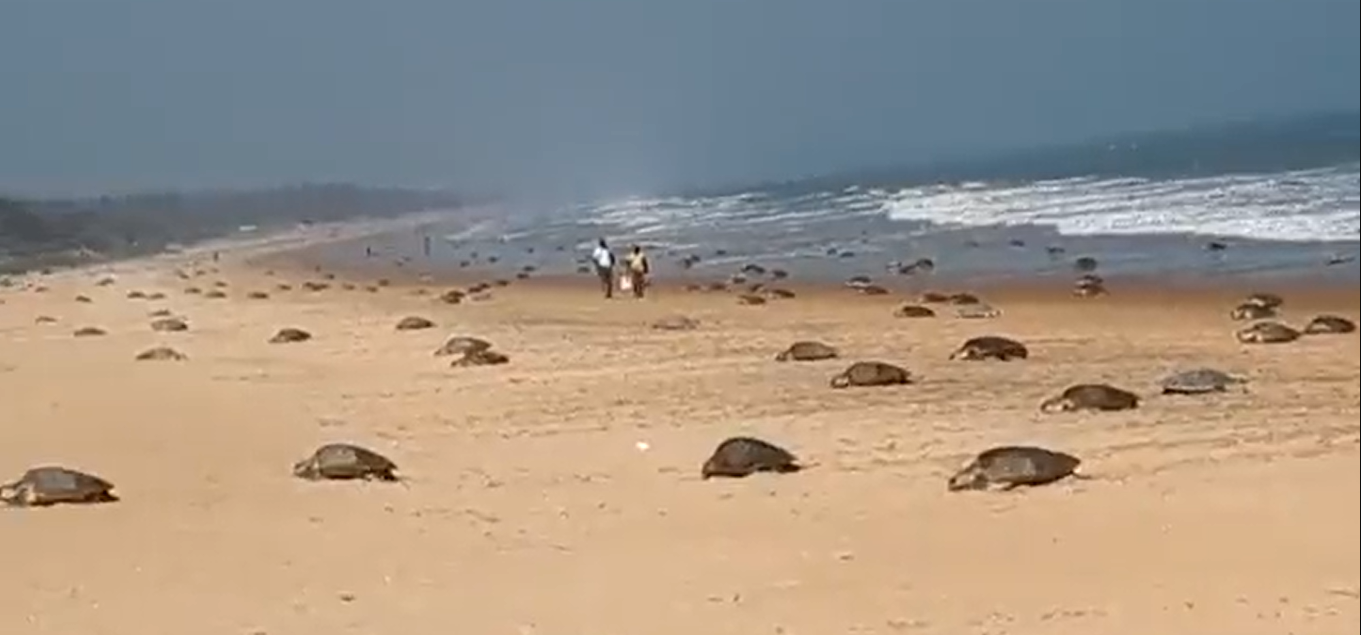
[306, 468]
[12, 493]
[971, 477]
[965, 353]
[1057, 404]
[841, 381]
[782, 357]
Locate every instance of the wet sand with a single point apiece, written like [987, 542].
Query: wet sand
[532, 508]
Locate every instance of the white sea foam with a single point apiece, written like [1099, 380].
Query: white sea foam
[1305, 205]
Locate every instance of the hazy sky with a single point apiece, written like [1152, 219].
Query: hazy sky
[537, 95]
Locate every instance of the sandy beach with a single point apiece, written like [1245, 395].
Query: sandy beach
[559, 494]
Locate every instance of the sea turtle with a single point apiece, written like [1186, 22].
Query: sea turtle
[413, 323]
[485, 357]
[160, 313]
[155, 295]
[1012, 466]
[89, 331]
[192, 290]
[50, 485]
[1267, 333]
[807, 351]
[676, 323]
[461, 344]
[933, 297]
[737, 457]
[1103, 397]
[136, 295]
[1267, 300]
[345, 461]
[257, 295]
[1250, 311]
[452, 296]
[1085, 264]
[169, 325]
[778, 293]
[1329, 324]
[215, 294]
[913, 311]
[963, 298]
[991, 347]
[289, 334]
[84, 299]
[871, 374]
[873, 289]
[977, 312]
[161, 354]
[750, 299]
[1198, 381]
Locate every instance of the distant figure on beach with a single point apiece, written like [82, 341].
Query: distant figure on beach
[604, 267]
[638, 270]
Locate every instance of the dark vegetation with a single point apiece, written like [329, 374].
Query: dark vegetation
[37, 234]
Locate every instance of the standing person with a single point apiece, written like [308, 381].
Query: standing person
[638, 270]
[604, 267]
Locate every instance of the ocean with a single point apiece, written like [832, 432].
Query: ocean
[1260, 199]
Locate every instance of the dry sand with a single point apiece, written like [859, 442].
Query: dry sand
[532, 509]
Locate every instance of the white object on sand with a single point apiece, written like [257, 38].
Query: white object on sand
[642, 446]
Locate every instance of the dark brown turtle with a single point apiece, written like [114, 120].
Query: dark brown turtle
[315, 286]
[750, 299]
[192, 290]
[933, 297]
[161, 354]
[283, 286]
[344, 461]
[44, 319]
[84, 299]
[480, 358]
[738, 457]
[1329, 324]
[89, 331]
[779, 293]
[462, 344]
[413, 323]
[871, 374]
[1267, 333]
[1250, 311]
[1085, 264]
[160, 313]
[676, 323]
[913, 311]
[52, 485]
[169, 325]
[807, 351]
[1012, 466]
[155, 295]
[289, 334]
[136, 295]
[1267, 300]
[104, 282]
[215, 294]
[452, 296]
[257, 295]
[991, 347]
[1102, 397]
[963, 298]
[873, 289]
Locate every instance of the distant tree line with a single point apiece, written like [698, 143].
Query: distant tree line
[51, 233]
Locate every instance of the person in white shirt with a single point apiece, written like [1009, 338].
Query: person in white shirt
[604, 267]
